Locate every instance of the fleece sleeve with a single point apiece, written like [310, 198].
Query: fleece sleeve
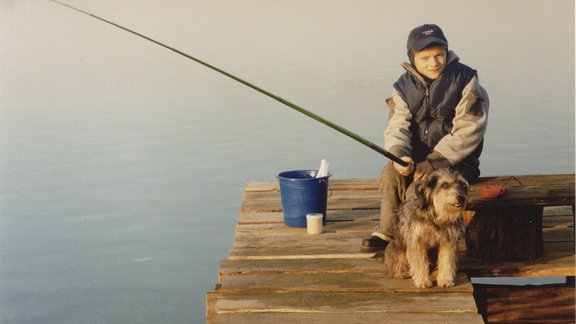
[397, 136]
[469, 126]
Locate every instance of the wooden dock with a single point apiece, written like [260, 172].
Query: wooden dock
[280, 274]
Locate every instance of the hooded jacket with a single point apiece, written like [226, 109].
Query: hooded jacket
[442, 121]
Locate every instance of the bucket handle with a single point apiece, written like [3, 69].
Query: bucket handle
[329, 188]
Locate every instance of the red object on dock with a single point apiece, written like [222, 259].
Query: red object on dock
[491, 192]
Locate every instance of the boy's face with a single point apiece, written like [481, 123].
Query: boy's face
[431, 61]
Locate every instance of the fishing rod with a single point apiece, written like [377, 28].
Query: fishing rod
[308, 113]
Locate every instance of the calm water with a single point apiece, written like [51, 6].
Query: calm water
[122, 164]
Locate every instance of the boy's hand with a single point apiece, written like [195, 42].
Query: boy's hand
[405, 170]
[423, 169]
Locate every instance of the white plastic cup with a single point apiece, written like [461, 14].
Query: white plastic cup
[314, 223]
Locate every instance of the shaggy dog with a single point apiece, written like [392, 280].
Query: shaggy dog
[429, 221]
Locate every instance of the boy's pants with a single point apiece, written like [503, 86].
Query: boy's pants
[393, 187]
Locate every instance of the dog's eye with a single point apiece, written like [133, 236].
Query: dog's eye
[464, 186]
[445, 185]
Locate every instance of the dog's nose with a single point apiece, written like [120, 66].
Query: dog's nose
[461, 199]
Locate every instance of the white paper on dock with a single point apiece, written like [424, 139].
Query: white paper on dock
[323, 170]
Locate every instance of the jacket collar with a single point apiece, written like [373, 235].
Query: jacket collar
[452, 57]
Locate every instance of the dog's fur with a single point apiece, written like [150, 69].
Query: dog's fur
[430, 220]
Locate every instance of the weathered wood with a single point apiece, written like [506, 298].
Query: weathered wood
[276, 228]
[332, 215]
[527, 304]
[552, 264]
[269, 201]
[506, 234]
[334, 184]
[508, 181]
[559, 211]
[526, 180]
[280, 274]
[559, 234]
[522, 196]
[524, 190]
[345, 302]
[211, 298]
[299, 266]
[346, 318]
[366, 282]
[298, 246]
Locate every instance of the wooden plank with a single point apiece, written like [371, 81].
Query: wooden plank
[560, 195]
[211, 298]
[299, 246]
[261, 218]
[332, 215]
[373, 183]
[335, 184]
[538, 190]
[551, 195]
[340, 197]
[268, 229]
[552, 222]
[347, 318]
[558, 211]
[541, 190]
[526, 180]
[266, 202]
[353, 214]
[530, 304]
[299, 266]
[367, 282]
[550, 247]
[553, 216]
[552, 264]
[268, 206]
[554, 226]
[332, 194]
[558, 234]
[268, 185]
[344, 302]
[279, 274]
[342, 244]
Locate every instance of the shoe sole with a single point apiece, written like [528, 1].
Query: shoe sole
[369, 249]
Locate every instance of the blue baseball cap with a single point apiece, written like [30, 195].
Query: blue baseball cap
[425, 35]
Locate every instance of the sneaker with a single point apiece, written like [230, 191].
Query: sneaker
[373, 244]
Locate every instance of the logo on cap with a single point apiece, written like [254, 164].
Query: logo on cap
[424, 35]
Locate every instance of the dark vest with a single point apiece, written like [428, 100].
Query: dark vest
[433, 108]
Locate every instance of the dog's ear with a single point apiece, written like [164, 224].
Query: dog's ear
[431, 181]
[422, 192]
[419, 189]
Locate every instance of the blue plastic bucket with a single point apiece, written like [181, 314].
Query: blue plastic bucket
[302, 194]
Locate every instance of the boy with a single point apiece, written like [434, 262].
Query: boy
[438, 117]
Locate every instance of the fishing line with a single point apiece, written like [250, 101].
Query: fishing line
[308, 113]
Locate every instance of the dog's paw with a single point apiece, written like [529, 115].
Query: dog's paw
[423, 283]
[446, 283]
[401, 275]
